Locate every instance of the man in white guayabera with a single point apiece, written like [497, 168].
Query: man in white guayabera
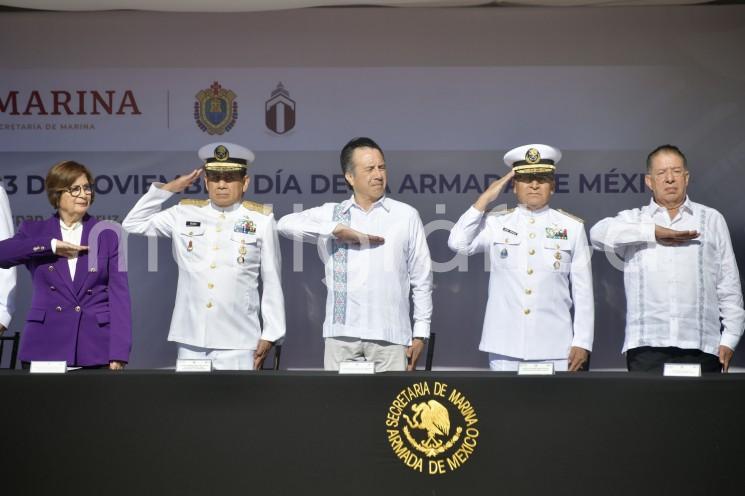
[375, 254]
[683, 295]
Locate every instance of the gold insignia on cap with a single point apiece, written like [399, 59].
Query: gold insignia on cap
[532, 156]
[221, 153]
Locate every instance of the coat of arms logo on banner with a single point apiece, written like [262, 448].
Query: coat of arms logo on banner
[215, 110]
[280, 111]
[432, 427]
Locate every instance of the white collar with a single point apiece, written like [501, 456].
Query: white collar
[382, 201]
[226, 210]
[532, 213]
[77, 225]
[655, 207]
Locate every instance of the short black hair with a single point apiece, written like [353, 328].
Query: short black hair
[346, 153]
[665, 149]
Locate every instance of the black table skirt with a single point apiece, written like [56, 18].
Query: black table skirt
[158, 432]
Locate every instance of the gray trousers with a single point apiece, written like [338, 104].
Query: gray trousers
[387, 356]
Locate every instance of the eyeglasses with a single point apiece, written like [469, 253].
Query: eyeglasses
[78, 189]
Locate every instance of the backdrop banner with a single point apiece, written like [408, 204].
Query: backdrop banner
[444, 124]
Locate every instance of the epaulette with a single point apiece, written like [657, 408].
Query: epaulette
[257, 207]
[501, 212]
[571, 216]
[194, 202]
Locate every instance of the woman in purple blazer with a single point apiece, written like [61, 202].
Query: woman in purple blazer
[80, 310]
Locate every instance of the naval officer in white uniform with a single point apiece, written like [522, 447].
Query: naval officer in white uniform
[222, 246]
[7, 276]
[540, 268]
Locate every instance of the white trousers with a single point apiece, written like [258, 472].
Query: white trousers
[387, 356]
[221, 359]
[504, 363]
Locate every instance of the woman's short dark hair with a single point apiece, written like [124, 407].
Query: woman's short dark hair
[61, 176]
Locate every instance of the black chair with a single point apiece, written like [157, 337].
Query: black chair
[13, 340]
[430, 351]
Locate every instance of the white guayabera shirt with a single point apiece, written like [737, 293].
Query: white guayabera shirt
[368, 287]
[676, 295]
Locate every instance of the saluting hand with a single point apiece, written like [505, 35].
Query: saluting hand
[351, 236]
[670, 237]
[181, 183]
[262, 350]
[68, 250]
[492, 192]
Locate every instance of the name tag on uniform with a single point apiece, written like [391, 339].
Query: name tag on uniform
[682, 370]
[193, 223]
[532, 368]
[38, 367]
[355, 367]
[193, 365]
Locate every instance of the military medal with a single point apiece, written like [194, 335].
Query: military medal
[245, 226]
[241, 252]
[557, 233]
[503, 253]
[557, 256]
[190, 246]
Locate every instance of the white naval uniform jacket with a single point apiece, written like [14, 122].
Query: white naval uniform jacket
[7, 276]
[220, 254]
[540, 268]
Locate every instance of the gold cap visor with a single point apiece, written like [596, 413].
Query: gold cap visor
[534, 169]
[224, 166]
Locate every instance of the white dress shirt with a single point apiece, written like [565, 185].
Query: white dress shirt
[221, 252]
[675, 295]
[369, 297]
[534, 256]
[70, 234]
[7, 276]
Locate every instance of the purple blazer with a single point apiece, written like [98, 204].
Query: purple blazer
[86, 321]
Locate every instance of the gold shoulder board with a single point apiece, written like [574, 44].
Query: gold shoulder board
[501, 212]
[571, 216]
[257, 207]
[194, 202]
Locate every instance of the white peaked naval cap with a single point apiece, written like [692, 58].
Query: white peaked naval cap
[226, 157]
[533, 159]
